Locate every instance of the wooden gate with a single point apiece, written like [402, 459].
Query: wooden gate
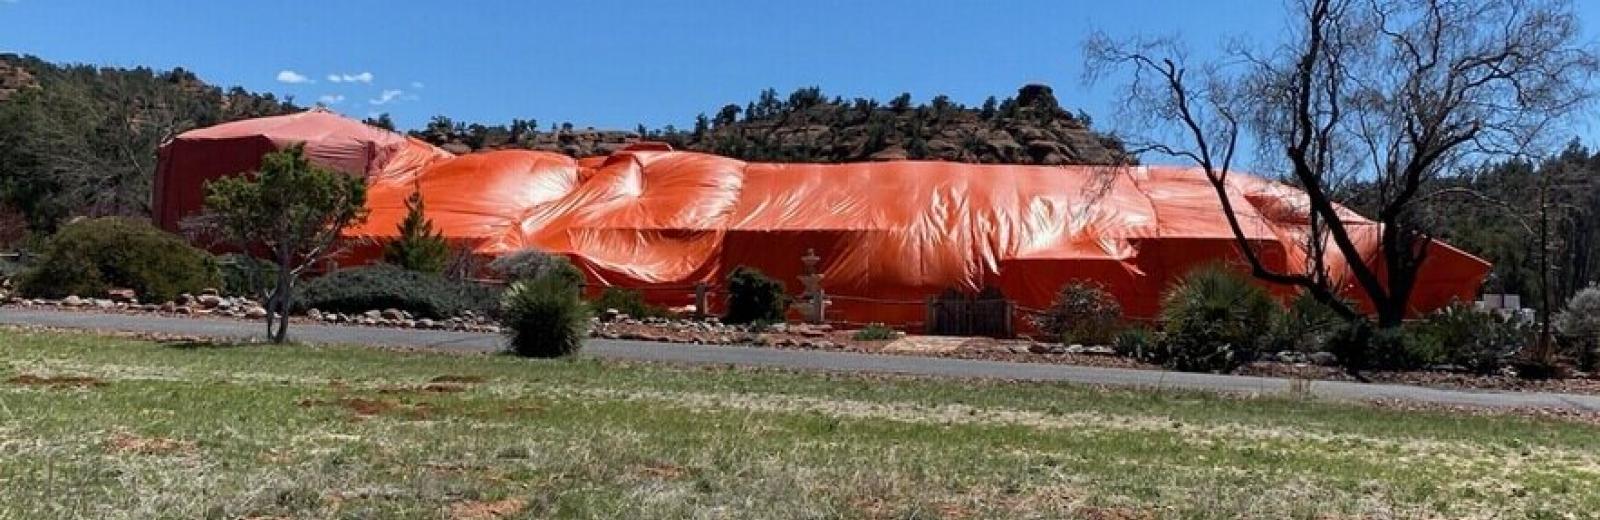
[987, 313]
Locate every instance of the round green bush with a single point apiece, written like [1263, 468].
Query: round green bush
[1083, 312]
[627, 301]
[1478, 341]
[1359, 345]
[1213, 320]
[529, 264]
[90, 256]
[754, 297]
[1579, 326]
[544, 317]
[383, 286]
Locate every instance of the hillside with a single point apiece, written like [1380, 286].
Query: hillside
[1031, 128]
[81, 140]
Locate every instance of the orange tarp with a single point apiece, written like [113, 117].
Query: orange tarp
[889, 234]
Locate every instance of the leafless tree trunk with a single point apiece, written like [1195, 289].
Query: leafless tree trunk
[1390, 92]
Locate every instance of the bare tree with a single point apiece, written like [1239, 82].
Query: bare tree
[1387, 92]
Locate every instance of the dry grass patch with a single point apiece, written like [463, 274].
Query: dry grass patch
[129, 443]
[477, 510]
[60, 381]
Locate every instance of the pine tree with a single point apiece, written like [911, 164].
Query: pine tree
[420, 247]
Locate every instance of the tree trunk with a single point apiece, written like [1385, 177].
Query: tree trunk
[278, 305]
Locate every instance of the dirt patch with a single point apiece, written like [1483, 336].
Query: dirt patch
[663, 470]
[1112, 513]
[478, 510]
[364, 408]
[447, 378]
[56, 381]
[122, 442]
[1558, 414]
[444, 388]
[430, 388]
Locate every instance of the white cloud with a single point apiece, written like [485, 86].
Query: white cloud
[331, 99]
[416, 85]
[386, 96]
[292, 77]
[364, 77]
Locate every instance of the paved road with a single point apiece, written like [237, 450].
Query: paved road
[798, 359]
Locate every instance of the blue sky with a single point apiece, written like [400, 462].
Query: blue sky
[614, 64]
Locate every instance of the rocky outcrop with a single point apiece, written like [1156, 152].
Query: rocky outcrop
[12, 79]
[1031, 128]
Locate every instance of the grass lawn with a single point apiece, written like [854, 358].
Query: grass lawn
[98, 427]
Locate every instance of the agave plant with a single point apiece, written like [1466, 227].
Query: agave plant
[1213, 318]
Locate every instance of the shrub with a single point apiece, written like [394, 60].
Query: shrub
[1083, 312]
[876, 332]
[245, 275]
[1213, 318]
[1137, 342]
[529, 264]
[1579, 325]
[627, 301]
[419, 247]
[1304, 326]
[544, 317]
[385, 286]
[1360, 346]
[1478, 341]
[90, 256]
[752, 296]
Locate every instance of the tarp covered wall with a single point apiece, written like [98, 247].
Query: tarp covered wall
[889, 234]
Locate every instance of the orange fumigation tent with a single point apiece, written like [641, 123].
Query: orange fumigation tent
[332, 141]
[888, 234]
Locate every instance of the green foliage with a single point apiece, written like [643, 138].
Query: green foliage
[752, 296]
[1359, 345]
[544, 317]
[245, 275]
[1478, 341]
[1213, 318]
[90, 256]
[419, 247]
[876, 332]
[626, 301]
[1138, 342]
[383, 286]
[292, 210]
[529, 264]
[84, 140]
[1579, 326]
[1303, 327]
[1083, 312]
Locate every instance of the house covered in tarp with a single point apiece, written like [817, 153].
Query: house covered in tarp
[888, 234]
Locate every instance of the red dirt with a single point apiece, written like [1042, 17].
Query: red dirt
[139, 445]
[56, 381]
[457, 379]
[479, 510]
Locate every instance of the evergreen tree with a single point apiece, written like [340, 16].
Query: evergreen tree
[290, 209]
[989, 109]
[420, 247]
[382, 121]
